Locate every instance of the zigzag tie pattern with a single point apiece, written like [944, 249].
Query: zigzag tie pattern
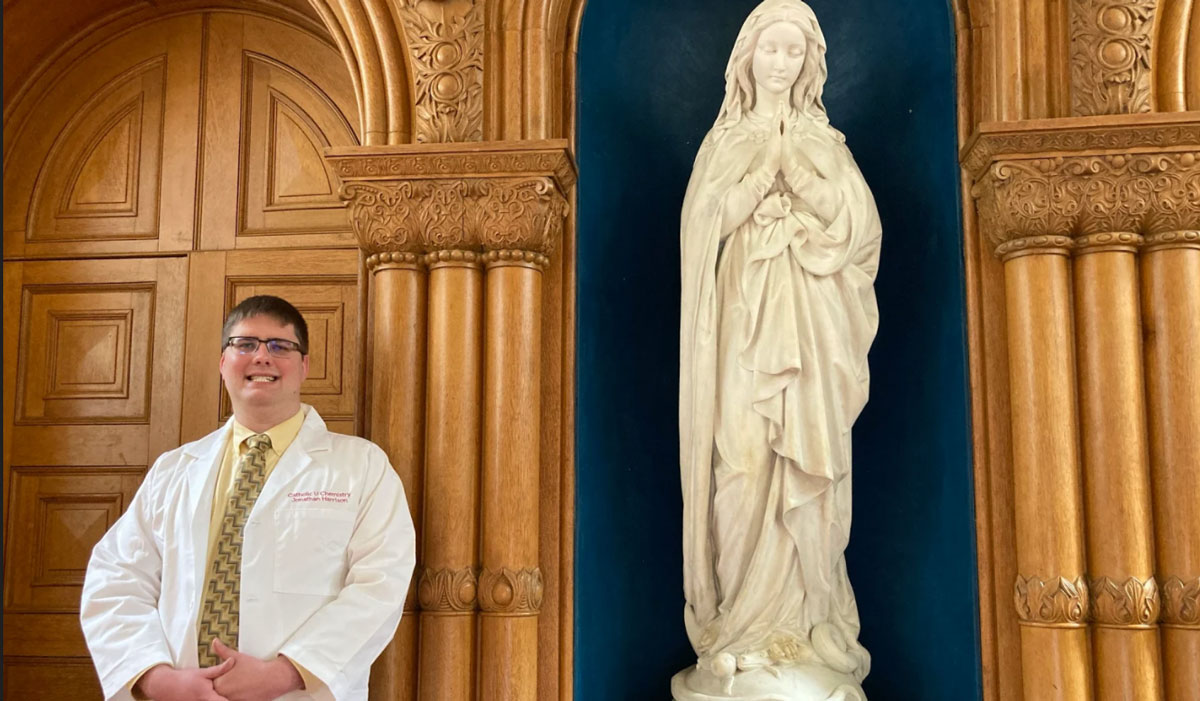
[219, 610]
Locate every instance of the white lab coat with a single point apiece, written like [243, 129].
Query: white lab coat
[327, 556]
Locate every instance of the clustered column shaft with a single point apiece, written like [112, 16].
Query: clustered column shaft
[1101, 257]
[458, 237]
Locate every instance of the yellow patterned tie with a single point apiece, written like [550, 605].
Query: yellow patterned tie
[219, 610]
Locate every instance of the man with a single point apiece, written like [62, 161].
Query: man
[269, 559]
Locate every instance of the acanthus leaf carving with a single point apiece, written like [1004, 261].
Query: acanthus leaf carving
[1110, 56]
[418, 199]
[512, 592]
[1053, 602]
[445, 41]
[1181, 602]
[1089, 196]
[1133, 603]
[448, 590]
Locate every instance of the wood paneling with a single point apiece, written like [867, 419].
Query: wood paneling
[105, 161]
[94, 358]
[98, 344]
[50, 678]
[58, 514]
[274, 99]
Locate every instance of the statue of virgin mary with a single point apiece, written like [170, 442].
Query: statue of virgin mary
[780, 245]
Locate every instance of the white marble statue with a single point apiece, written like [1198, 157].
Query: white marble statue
[780, 245]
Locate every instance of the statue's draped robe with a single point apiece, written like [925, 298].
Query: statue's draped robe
[776, 322]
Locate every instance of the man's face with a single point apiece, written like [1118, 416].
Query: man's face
[259, 382]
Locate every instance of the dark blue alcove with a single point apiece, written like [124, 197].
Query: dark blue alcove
[650, 83]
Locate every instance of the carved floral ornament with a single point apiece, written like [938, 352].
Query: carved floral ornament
[1181, 602]
[511, 592]
[448, 591]
[1133, 603]
[1110, 56]
[1056, 602]
[1057, 191]
[445, 42]
[422, 205]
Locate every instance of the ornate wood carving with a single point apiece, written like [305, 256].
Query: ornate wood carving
[997, 140]
[448, 590]
[445, 42]
[499, 196]
[1110, 56]
[1133, 603]
[1088, 193]
[511, 592]
[1054, 602]
[1181, 602]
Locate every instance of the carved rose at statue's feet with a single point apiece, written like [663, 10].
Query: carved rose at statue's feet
[780, 246]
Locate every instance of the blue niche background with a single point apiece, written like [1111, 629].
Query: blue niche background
[650, 85]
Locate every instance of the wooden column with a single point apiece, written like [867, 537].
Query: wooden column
[1171, 314]
[510, 584]
[397, 421]
[484, 218]
[448, 582]
[1095, 186]
[1120, 534]
[1051, 590]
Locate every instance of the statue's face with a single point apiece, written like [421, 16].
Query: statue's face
[778, 58]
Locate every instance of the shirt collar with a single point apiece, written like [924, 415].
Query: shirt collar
[281, 435]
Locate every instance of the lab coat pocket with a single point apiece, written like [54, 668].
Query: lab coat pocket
[310, 550]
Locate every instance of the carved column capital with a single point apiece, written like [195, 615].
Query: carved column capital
[474, 198]
[1087, 185]
[1110, 56]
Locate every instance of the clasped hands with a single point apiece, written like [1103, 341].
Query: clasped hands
[239, 677]
[780, 155]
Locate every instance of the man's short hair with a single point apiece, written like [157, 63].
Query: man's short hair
[271, 306]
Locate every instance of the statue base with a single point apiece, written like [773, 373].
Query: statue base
[794, 682]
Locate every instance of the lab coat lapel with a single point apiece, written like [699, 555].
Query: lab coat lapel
[205, 455]
[312, 438]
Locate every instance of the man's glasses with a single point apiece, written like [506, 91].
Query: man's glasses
[278, 347]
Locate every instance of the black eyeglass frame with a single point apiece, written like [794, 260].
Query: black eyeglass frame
[284, 345]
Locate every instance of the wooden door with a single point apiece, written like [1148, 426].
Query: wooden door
[149, 186]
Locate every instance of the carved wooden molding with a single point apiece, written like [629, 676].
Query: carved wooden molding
[1133, 603]
[511, 592]
[445, 42]
[393, 259]
[1173, 239]
[1007, 140]
[448, 591]
[515, 258]
[1110, 56]
[1056, 602]
[454, 257]
[1181, 602]
[1037, 185]
[414, 199]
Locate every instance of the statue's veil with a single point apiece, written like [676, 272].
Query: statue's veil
[739, 81]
